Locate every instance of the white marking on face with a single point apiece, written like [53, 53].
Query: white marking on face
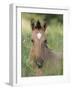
[39, 35]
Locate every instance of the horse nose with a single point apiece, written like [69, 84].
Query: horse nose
[39, 63]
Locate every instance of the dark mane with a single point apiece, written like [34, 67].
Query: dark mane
[38, 25]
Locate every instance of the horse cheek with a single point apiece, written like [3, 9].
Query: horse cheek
[32, 58]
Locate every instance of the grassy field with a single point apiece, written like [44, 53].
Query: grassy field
[54, 34]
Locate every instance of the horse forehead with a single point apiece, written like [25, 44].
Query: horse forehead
[39, 35]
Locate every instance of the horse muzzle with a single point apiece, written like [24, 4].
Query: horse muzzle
[39, 62]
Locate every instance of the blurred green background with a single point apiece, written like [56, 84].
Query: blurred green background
[54, 34]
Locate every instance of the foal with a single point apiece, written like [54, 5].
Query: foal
[40, 55]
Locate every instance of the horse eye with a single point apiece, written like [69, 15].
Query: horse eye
[32, 40]
[45, 41]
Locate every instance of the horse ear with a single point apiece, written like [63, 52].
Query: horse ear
[44, 26]
[32, 24]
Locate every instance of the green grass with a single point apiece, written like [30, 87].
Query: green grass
[55, 41]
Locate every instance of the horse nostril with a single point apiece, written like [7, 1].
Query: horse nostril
[39, 63]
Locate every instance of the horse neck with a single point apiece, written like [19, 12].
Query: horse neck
[48, 54]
